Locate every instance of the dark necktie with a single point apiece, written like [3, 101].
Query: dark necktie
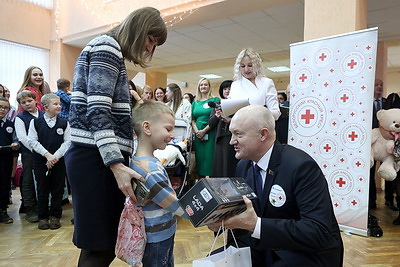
[378, 104]
[258, 182]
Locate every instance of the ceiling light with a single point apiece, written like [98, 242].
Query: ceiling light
[279, 69]
[210, 76]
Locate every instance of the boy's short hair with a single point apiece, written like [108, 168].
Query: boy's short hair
[47, 98]
[25, 94]
[63, 83]
[148, 111]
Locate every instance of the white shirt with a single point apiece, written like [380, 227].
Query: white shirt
[263, 164]
[36, 146]
[262, 93]
[22, 133]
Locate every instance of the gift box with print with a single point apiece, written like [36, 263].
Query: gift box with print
[214, 199]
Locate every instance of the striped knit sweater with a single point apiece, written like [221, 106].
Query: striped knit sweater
[100, 114]
[159, 214]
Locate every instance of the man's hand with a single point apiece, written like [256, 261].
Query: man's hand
[213, 227]
[14, 146]
[246, 220]
[123, 175]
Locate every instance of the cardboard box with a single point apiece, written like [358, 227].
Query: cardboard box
[214, 199]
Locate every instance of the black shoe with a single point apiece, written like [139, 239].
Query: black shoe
[44, 224]
[391, 205]
[31, 215]
[4, 218]
[374, 229]
[54, 223]
[397, 220]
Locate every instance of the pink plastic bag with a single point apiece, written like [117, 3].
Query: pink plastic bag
[131, 240]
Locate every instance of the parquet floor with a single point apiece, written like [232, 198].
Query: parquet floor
[23, 245]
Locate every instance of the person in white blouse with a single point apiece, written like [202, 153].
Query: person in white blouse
[250, 82]
[182, 109]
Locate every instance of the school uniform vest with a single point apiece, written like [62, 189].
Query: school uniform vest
[50, 138]
[6, 137]
[26, 117]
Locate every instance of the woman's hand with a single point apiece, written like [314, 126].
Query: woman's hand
[124, 175]
[200, 134]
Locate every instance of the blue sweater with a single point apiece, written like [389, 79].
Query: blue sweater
[160, 223]
[100, 114]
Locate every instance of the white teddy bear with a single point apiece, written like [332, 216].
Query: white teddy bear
[385, 143]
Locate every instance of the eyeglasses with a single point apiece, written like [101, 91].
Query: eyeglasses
[4, 108]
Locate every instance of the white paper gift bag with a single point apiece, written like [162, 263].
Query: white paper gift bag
[229, 257]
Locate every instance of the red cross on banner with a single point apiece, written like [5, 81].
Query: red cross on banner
[353, 136]
[351, 64]
[307, 117]
[303, 78]
[341, 182]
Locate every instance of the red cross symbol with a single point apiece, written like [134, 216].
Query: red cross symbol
[334, 123]
[363, 87]
[353, 136]
[368, 47]
[322, 56]
[341, 159]
[358, 163]
[351, 64]
[331, 70]
[354, 202]
[327, 147]
[308, 116]
[326, 84]
[340, 182]
[336, 204]
[303, 78]
[325, 166]
[280, 197]
[344, 98]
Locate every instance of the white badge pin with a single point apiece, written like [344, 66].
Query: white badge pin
[9, 129]
[60, 131]
[277, 196]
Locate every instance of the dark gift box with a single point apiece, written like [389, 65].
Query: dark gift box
[214, 199]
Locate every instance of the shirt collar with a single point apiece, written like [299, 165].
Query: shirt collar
[264, 161]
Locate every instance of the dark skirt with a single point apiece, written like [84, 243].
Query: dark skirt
[97, 200]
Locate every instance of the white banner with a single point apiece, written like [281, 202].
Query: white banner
[331, 98]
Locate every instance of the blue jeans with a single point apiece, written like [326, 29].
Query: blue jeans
[159, 254]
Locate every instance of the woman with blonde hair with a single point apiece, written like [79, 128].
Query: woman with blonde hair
[204, 134]
[34, 82]
[250, 82]
[102, 134]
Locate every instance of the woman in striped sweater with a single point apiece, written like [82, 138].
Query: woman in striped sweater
[101, 131]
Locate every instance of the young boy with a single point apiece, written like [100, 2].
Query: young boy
[153, 123]
[49, 138]
[8, 149]
[27, 100]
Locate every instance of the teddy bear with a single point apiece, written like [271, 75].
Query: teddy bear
[385, 143]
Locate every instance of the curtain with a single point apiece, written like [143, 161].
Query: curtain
[15, 59]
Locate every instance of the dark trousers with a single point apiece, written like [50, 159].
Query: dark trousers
[28, 190]
[6, 163]
[372, 187]
[50, 181]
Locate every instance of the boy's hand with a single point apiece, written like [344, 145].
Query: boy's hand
[124, 175]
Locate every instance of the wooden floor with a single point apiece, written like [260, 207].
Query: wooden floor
[22, 244]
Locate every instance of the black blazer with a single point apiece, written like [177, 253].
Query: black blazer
[375, 123]
[303, 231]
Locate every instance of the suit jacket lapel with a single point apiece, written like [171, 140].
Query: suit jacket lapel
[272, 171]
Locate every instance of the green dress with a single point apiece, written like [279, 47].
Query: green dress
[204, 150]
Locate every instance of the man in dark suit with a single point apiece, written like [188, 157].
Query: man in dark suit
[292, 223]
